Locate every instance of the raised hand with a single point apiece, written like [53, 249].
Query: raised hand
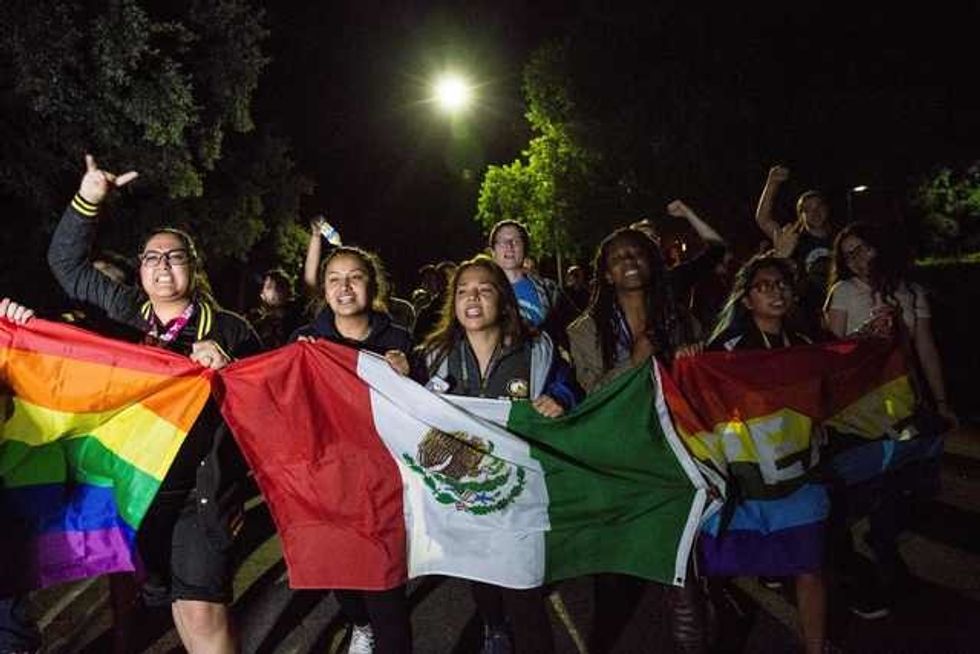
[317, 222]
[678, 209]
[97, 183]
[785, 239]
[778, 175]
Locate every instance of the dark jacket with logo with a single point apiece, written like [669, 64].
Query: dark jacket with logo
[522, 372]
[208, 462]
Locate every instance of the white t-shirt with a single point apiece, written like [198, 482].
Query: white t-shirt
[856, 299]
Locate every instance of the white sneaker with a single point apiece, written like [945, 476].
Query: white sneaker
[361, 640]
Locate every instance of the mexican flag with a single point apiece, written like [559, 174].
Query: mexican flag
[372, 479]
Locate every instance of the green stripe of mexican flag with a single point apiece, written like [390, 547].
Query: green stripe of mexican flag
[397, 482]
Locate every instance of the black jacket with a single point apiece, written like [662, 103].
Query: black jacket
[384, 335]
[208, 461]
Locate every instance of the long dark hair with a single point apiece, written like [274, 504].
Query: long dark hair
[669, 326]
[448, 332]
[200, 288]
[888, 269]
[377, 280]
[734, 316]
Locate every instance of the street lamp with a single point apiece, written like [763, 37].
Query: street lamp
[452, 93]
[860, 188]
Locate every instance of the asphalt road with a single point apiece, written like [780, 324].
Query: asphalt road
[938, 612]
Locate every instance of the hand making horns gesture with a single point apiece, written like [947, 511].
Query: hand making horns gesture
[96, 183]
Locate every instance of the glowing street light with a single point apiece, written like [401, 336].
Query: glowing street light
[452, 93]
[860, 188]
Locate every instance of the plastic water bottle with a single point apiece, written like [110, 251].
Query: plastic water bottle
[330, 233]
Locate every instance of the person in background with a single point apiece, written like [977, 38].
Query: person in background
[871, 297]
[685, 274]
[709, 294]
[278, 314]
[537, 296]
[807, 241]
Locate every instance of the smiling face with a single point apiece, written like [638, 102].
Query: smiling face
[347, 285]
[627, 264]
[814, 212]
[509, 248]
[769, 295]
[477, 300]
[166, 269]
[858, 256]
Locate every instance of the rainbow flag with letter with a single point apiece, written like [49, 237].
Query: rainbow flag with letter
[89, 429]
[757, 418]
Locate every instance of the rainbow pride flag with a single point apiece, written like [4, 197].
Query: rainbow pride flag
[89, 429]
[756, 419]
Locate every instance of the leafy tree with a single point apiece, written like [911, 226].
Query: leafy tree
[547, 188]
[949, 208]
[164, 88]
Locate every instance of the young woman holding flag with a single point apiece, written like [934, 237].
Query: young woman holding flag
[481, 348]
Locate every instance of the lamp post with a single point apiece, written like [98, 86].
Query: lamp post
[860, 188]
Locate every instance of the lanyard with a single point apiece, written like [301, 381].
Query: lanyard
[176, 326]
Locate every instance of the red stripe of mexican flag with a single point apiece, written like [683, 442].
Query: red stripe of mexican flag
[372, 479]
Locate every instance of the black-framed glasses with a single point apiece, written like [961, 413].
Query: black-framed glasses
[770, 285]
[153, 258]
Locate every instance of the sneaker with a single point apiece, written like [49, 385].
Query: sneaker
[361, 640]
[869, 605]
[496, 641]
[772, 583]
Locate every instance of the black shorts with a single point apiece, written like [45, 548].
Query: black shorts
[184, 557]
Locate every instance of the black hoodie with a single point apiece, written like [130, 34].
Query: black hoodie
[384, 335]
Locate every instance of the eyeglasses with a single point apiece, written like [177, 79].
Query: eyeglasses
[770, 285]
[178, 257]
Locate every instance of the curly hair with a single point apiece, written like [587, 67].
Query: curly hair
[670, 328]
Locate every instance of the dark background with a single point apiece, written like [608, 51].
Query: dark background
[842, 95]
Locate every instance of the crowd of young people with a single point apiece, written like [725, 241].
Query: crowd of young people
[474, 329]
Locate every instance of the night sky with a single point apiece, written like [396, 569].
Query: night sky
[850, 96]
